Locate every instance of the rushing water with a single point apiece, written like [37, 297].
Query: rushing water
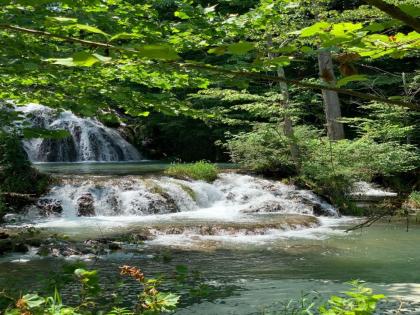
[89, 139]
[226, 231]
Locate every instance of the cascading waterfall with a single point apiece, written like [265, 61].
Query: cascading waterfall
[90, 140]
[229, 196]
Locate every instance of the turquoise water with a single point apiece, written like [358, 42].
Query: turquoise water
[246, 273]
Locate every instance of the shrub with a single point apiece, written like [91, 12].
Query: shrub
[328, 167]
[414, 200]
[17, 175]
[200, 171]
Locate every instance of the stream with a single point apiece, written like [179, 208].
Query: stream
[248, 254]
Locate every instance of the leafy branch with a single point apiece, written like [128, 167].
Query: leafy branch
[220, 70]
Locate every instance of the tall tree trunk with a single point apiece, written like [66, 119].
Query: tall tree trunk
[331, 101]
[287, 122]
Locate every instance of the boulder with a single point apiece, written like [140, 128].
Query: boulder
[266, 207]
[86, 205]
[49, 206]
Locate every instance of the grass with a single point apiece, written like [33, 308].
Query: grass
[414, 200]
[199, 171]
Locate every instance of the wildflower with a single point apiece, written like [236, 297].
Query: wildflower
[134, 272]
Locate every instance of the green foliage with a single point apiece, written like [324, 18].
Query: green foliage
[265, 149]
[151, 301]
[199, 171]
[328, 167]
[17, 175]
[359, 300]
[414, 200]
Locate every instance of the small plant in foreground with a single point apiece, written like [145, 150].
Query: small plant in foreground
[151, 300]
[359, 300]
[200, 171]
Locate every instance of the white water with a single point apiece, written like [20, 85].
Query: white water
[90, 140]
[133, 201]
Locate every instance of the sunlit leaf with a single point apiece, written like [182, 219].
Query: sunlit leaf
[351, 78]
[240, 48]
[158, 52]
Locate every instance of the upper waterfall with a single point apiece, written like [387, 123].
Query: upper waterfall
[90, 140]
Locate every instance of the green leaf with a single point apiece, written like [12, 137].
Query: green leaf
[61, 19]
[182, 15]
[240, 48]
[280, 61]
[80, 59]
[84, 59]
[33, 300]
[315, 29]
[89, 29]
[217, 50]
[29, 133]
[124, 36]
[163, 52]
[410, 9]
[351, 78]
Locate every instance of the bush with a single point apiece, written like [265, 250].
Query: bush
[328, 167]
[264, 150]
[413, 201]
[199, 171]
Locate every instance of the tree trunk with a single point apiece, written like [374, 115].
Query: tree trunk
[288, 124]
[331, 100]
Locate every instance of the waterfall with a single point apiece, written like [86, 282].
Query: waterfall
[231, 196]
[90, 140]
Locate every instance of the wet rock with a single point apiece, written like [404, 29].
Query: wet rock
[86, 205]
[49, 206]
[20, 248]
[6, 245]
[11, 218]
[114, 246]
[266, 207]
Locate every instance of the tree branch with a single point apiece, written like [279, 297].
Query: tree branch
[396, 13]
[220, 70]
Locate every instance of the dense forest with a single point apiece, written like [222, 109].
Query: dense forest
[321, 96]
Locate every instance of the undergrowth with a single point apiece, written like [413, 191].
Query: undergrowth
[199, 171]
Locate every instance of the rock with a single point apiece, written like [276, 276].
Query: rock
[114, 246]
[49, 206]
[266, 207]
[20, 248]
[6, 245]
[86, 207]
[3, 235]
[11, 218]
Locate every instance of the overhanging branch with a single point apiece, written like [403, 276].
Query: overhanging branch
[396, 13]
[250, 75]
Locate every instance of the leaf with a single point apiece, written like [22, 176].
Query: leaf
[80, 59]
[315, 29]
[217, 50]
[89, 29]
[124, 36]
[29, 133]
[158, 52]
[240, 48]
[33, 300]
[410, 9]
[280, 61]
[210, 9]
[351, 78]
[84, 59]
[182, 15]
[61, 19]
